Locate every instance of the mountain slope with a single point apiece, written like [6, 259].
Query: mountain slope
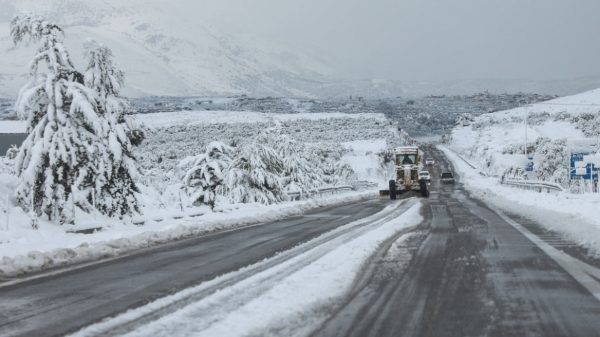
[161, 53]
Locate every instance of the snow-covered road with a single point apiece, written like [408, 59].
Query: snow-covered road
[208, 268]
[276, 295]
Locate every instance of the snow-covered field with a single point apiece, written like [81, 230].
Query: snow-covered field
[169, 214]
[494, 143]
[166, 119]
[290, 298]
[174, 136]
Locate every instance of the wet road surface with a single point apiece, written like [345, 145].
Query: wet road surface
[63, 303]
[465, 272]
[471, 274]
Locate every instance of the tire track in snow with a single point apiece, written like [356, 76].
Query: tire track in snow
[294, 260]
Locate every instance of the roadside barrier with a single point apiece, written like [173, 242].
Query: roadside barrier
[331, 190]
[534, 185]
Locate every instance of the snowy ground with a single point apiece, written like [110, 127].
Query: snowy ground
[25, 250]
[289, 298]
[171, 138]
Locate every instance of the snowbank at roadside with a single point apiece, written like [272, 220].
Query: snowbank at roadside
[573, 215]
[23, 250]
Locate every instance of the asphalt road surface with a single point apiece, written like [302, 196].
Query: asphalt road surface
[60, 304]
[467, 273]
[473, 274]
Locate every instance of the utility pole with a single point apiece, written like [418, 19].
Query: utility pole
[94, 201]
[526, 125]
[7, 212]
[73, 204]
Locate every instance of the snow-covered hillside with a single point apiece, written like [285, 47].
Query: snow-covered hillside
[162, 57]
[496, 141]
[166, 54]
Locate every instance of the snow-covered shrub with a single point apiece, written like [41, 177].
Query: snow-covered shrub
[386, 158]
[588, 123]
[538, 118]
[553, 162]
[514, 173]
[513, 149]
[300, 172]
[206, 173]
[254, 175]
[343, 174]
[328, 157]
[562, 116]
[6, 166]
[12, 152]
[464, 119]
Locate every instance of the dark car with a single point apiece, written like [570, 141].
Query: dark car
[447, 178]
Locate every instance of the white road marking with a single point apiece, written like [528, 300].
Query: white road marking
[587, 275]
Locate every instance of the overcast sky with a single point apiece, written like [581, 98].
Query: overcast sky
[428, 39]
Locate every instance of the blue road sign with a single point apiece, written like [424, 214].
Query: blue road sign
[582, 170]
[529, 167]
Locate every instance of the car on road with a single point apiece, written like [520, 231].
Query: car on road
[425, 175]
[447, 177]
[429, 161]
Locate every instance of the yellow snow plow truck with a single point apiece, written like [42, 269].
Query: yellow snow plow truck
[408, 162]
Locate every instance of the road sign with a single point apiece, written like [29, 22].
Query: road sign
[581, 169]
[529, 167]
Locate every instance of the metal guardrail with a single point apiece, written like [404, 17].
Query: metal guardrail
[534, 185]
[363, 184]
[470, 165]
[467, 162]
[359, 185]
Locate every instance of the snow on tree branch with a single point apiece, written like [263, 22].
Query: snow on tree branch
[77, 153]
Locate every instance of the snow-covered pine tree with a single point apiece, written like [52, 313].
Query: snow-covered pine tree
[103, 75]
[343, 174]
[66, 144]
[254, 175]
[207, 172]
[113, 183]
